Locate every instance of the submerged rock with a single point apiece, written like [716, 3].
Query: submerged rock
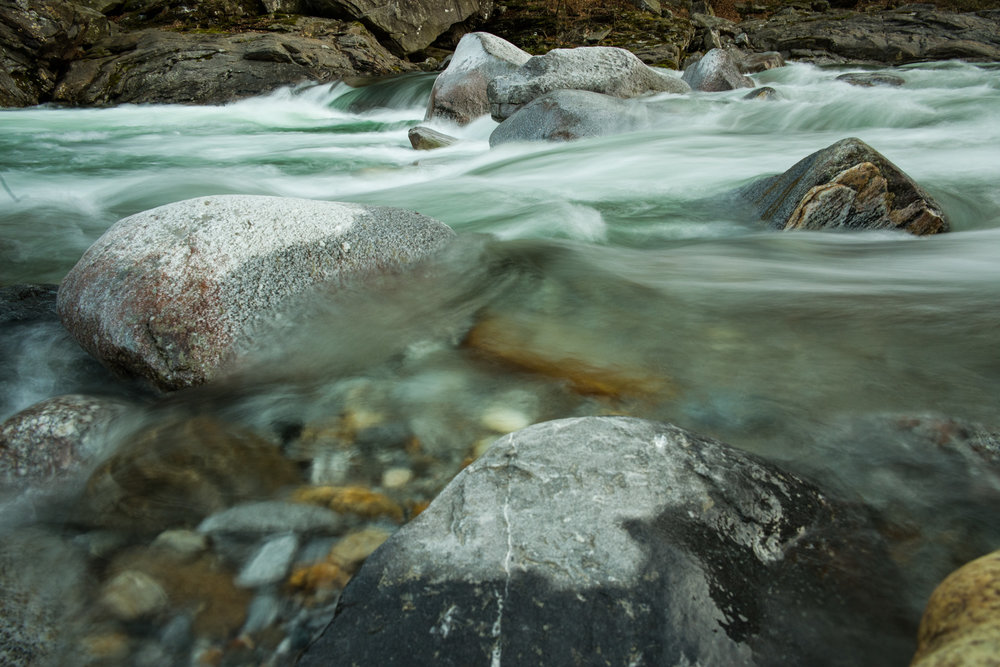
[630, 540]
[961, 625]
[716, 71]
[459, 92]
[564, 115]
[763, 93]
[54, 437]
[425, 139]
[599, 69]
[867, 80]
[848, 185]
[166, 294]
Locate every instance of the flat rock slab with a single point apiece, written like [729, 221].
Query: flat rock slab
[167, 293]
[847, 185]
[609, 540]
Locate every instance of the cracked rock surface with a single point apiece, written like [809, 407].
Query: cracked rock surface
[635, 541]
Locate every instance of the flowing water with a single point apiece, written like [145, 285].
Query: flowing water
[613, 275]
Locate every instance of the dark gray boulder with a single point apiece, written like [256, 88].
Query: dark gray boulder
[162, 66]
[609, 540]
[168, 293]
[37, 39]
[459, 92]
[54, 437]
[563, 115]
[867, 80]
[716, 71]
[425, 139]
[599, 69]
[405, 27]
[912, 33]
[847, 185]
[763, 93]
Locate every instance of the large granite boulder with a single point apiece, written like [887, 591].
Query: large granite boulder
[459, 92]
[609, 540]
[162, 66]
[716, 71]
[847, 185]
[405, 27]
[54, 437]
[599, 69]
[911, 33]
[563, 115]
[37, 39]
[167, 294]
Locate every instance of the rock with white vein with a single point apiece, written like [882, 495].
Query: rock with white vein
[634, 541]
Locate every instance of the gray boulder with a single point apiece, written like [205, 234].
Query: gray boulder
[162, 66]
[54, 437]
[405, 27]
[599, 69]
[564, 115]
[168, 293]
[716, 71]
[848, 185]
[868, 80]
[911, 33]
[622, 541]
[459, 92]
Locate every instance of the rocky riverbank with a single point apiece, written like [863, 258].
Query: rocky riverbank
[102, 52]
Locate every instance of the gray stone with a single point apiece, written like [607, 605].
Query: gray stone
[763, 93]
[27, 302]
[273, 517]
[54, 437]
[167, 294]
[751, 63]
[271, 562]
[459, 92]
[425, 139]
[599, 69]
[867, 80]
[564, 115]
[132, 594]
[846, 185]
[716, 71]
[631, 540]
[406, 27]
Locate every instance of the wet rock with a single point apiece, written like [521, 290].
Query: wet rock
[459, 92]
[270, 517]
[39, 611]
[565, 115]
[37, 39]
[961, 625]
[131, 595]
[406, 27]
[847, 185]
[396, 478]
[271, 562]
[903, 35]
[763, 93]
[628, 539]
[184, 543]
[54, 437]
[27, 302]
[425, 139]
[174, 475]
[163, 66]
[356, 500]
[716, 71]
[598, 69]
[866, 80]
[751, 63]
[168, 293]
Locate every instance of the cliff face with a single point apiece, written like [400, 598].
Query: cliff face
[98, 52]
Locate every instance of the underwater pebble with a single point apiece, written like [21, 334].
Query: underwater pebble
[353, 549]
[395, 478]
[182, 542]
[133, 594]
[270, 563]
[269, 517]
[262, 612]
[504, 420]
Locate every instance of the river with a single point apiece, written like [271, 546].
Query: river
[625, 254]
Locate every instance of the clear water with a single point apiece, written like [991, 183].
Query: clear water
[623, 254]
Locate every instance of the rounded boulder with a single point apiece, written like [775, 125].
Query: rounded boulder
[166, 294]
